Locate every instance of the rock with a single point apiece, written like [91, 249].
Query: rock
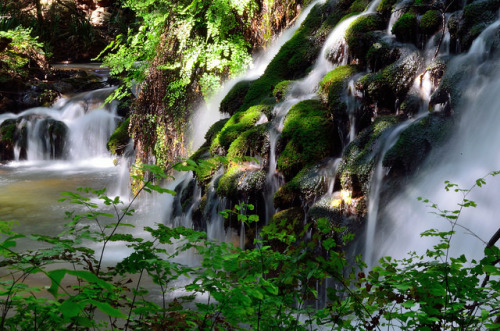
[405, 29]
[119, 139]
[233, 101]
[308, 136]
[359, 36]
[240, 122]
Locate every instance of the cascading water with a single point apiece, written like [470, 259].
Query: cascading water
[465, 158]
[305, 89]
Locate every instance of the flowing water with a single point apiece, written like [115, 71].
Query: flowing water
[469, 155]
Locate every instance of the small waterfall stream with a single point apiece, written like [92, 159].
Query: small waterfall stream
[464, 159]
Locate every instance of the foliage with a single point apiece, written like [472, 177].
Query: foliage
[273, 285]
[17, 49]
[207, 34]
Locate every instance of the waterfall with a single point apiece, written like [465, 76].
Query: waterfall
[208, 113]
[467, 157]
[76, 128]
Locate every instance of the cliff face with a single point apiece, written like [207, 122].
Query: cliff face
[386, 103]
[169, 94]
[348, 109]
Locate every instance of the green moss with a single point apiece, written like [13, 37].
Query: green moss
[385, 7]
[358, 158]
[253, 142]
[298, 54]
[430, 22]
[416, 141]
[358, 35]
[7, 131]
[405, 29]
[119, 139]
[207, 170]
[235, 98]
[303, 188]
[380, 55]
[358, 6]
[240, 182]
[332, 86]
[393, 82]
[281, 89]
[237, 124]
[308, 136]
[215, 129]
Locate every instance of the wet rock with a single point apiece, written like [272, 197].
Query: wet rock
[235, 98]
[119, 139]
[303, 189]
[406, 27]
[360, 37]
[308, 136]
[416, 142]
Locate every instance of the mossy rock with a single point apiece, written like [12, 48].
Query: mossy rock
[297, 55]
[430, 22]
[235, 126]
[254, 143]
[332, 86]
[308, 136]
[215, 129]
[358, 159]
[207, 169]
[332, 90]
[411, 105]
[241, 181]
[7, 141]
[385, 8]
[416, 142]
[477, 16]
[393, 82]
[119, 139]
[381, 54]
[308, 184]
[358, 35]
[406, 27]
[235, 98]
[281, 89]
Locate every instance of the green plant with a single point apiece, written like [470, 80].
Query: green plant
[272, 285]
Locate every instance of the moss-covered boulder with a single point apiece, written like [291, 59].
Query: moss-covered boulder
[477, 15]
[406, 28]
[235, 98]
[385, 8]
[359, 37]
[253, 142]
[303, 189]
[235, 126]
[358, 158]
[415, 143]
[119, 139]
[7, 142]
[282, 89]
[381, 54]
[308, 136]
[332, 87]
[430, 22]
[241, 182]
[392, 83]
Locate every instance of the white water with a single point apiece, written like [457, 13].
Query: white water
[469, 155]
[208, 113]
[305, 89]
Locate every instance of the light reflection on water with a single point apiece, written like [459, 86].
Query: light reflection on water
[29, 191]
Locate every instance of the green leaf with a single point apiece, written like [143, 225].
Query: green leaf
[107, 309]
[71, 308]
